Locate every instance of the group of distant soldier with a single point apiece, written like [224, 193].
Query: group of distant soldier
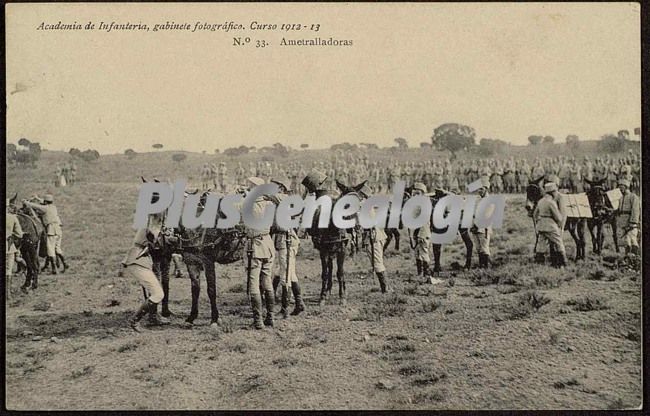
[65, 174]
[508, 175]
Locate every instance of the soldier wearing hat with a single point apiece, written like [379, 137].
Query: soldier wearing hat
[422, 238]
[260, 255]
[222, 177]
[13, 233]
[627, 217]
[378, 238]
[482, 235]
[138, 264]
[286, 244]
[549, 222]
[50, 217]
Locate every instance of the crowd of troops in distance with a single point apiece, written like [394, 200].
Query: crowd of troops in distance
[65, 174]
[506, 175]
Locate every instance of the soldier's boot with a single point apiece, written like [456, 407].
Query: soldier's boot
[343, 300]
[299, 303]
[635, 250]
[276, 282]
[270, 299]
[65, 265]
[53, 264]
[382, 281]
[134, 321]
[256, 306]
[418, 264]
[561, 260]
[539, 258]
[154, 318]
[284, 310]
[486, 259]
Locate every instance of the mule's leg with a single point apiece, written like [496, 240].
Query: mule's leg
[340, 275]
[396, 234]
[29, 272]
[612, 223]
[581, 242]
[194, 271]
[591, 225]
[211, 280]
[469, 246]
[330, 273]
[164, 281]
[572, 230]
[437, 249]
[323, 276]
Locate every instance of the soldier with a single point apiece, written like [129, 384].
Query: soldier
[261, 253]
[286, 245]
[13, 233]
[222, 177]
[73, 172]
[377, 240]
[549, 223]
[627, 217]
[422, 238]
[50, 217]
[139, 265]
[575, 177]
[482, 236]
[240, 173]
[205, 177]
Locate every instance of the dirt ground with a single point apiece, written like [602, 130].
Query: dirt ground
[520, 336]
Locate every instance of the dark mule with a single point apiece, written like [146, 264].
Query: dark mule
[330, 243]
[201, 248]
[29, 244]
[575, 226]
[603, 213]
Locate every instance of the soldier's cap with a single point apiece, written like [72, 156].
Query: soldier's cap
[48, 198]
[282, 181]
[314, 180]
[420, 187]
[485, 181]
[624, 182]
[223, 163]
[553, 178]
[550, 187]
[255, 181]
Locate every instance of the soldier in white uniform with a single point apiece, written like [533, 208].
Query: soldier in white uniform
[627, 217]
[422, 238]
[139, 265]
[482, 235]
[286, 245]
[13, 233]
[50, 217]
[549, 221]
[260, 255]
[377, 240]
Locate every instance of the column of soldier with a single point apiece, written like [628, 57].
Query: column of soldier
[506, 175]
[65, 173]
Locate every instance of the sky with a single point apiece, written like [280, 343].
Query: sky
[508, 70]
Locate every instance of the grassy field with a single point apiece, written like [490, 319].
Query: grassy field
[519, 336]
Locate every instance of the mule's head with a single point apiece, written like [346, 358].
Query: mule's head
[11, 203]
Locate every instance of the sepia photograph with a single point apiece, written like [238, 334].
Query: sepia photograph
[323, 206]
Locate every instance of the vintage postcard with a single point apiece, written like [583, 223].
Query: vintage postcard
[313, 206]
